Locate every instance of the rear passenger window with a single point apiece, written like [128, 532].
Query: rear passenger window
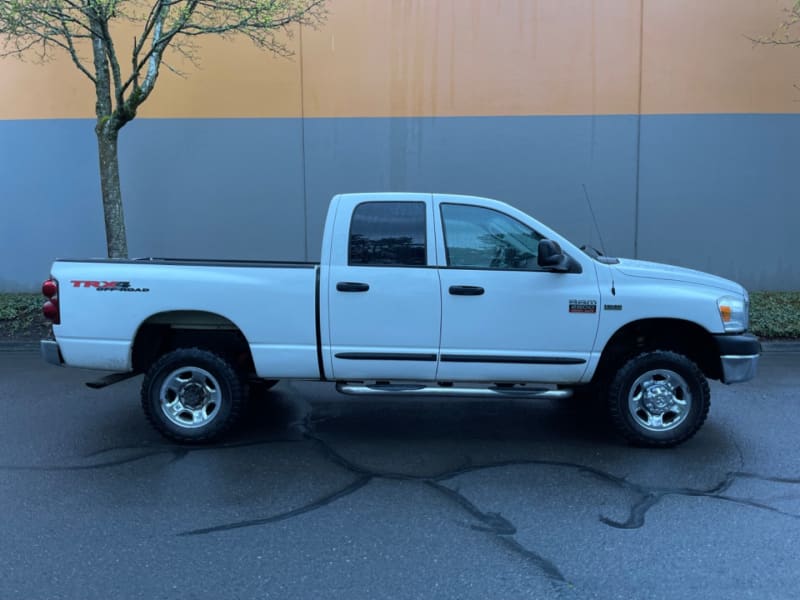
[388, 234]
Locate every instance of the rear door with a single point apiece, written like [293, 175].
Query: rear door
[384, 306]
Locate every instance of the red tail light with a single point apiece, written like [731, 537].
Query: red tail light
[51, 309]
[49, 288]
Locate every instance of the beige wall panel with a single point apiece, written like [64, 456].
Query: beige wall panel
[54, 90]
[697, 58]
[234, 79]
[466, 57]
[473, 57]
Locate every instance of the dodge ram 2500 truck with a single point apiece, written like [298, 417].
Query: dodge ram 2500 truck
[415, 294]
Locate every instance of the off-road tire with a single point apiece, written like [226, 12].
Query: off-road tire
[217, 379]
[624, 418]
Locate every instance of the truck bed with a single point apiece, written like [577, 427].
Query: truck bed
[273, 303]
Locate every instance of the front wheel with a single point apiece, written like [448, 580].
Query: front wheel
[192, 395]
[659, 399]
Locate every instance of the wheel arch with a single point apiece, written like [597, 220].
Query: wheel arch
[645, 335]
[168, 330]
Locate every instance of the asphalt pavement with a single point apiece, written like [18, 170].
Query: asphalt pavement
[323, 496]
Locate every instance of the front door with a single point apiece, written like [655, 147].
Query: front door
[503, 318]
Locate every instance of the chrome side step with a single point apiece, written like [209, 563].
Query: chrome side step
[464, 392]
[110, 379]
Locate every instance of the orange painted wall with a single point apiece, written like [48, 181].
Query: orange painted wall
[697, 58]
[467, 57]
[474, 57]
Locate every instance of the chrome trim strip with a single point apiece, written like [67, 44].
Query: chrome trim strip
[422, 390]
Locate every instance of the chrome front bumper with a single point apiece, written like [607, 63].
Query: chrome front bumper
[738, 354]
[51, 352]
[736, 369]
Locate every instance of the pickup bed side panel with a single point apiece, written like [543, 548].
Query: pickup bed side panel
[104, 303]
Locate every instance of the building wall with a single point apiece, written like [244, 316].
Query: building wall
[681, 130]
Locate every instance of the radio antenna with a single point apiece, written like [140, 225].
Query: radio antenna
[599, 235]
[596, 226]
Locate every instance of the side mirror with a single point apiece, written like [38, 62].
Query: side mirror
[552, 258]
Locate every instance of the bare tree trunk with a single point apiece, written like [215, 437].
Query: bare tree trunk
[116, 240]
[107, 131]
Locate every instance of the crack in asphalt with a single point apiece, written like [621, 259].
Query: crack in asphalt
[500, 527]
[93, 466]
[177, 452]
[646, 497]
[318, 503]
[495, 523]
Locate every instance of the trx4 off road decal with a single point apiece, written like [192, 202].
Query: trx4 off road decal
[108, 286]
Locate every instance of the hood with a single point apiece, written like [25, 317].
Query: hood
[651, 270]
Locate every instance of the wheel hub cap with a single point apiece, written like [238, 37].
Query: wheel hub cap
[659, 400]
[657, 397]
[190, 397]
[193, 395]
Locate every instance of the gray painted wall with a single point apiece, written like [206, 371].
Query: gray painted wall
[714, 192]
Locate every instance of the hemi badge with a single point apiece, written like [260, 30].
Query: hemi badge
[612, 307]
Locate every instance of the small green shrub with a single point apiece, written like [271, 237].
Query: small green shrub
[21, 316]
[775, 314]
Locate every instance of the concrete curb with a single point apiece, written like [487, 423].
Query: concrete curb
[11, 346]
[780, 346]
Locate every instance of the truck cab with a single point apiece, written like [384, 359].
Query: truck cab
[449, 288]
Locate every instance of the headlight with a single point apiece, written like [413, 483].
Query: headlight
[733, 311]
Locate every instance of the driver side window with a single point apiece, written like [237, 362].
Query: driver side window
[482, 238]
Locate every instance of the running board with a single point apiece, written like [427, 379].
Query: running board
[423, 390]
[110, 380]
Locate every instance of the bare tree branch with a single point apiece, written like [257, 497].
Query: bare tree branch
[787, 33]
[39, 27]
[73, 53]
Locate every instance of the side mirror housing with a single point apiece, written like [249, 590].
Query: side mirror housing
[552, 258]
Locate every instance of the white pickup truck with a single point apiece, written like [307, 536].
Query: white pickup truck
[415, 294]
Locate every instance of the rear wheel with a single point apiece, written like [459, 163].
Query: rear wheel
[659, 399]
[192, 395]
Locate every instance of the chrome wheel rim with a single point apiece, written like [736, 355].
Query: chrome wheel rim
[190, 397]
[659, 400]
